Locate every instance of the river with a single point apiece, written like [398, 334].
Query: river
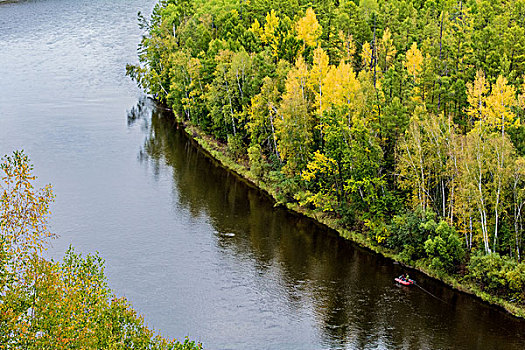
[196, 251]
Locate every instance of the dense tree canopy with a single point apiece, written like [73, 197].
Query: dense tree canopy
[377, 112]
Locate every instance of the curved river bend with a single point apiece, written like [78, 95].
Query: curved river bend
[196, 251]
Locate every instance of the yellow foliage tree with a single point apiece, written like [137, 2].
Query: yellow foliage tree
[494, 110]
[256, 29]
[317, 76]
[319, 169]
[267, 34]
[414, 61]
[499, 105]
[272, 21]
[386, 50]
[308, 28]
[476, 93]
[366, 56]
[341, 86]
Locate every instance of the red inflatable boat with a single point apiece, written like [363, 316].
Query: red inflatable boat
[404, 281]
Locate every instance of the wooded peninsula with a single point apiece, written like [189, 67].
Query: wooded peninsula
[399, 123]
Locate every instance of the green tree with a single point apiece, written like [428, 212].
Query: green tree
[24, 213]
[294, 126]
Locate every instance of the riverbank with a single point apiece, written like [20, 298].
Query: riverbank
[219, 154]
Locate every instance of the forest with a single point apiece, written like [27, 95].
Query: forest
[400, 120]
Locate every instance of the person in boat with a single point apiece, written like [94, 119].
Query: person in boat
[404, 277]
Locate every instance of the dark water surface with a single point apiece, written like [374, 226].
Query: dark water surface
[196, 251]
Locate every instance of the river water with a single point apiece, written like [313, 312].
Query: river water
[196, 251]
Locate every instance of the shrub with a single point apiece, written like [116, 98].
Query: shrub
[500, 275]
[445, 249]
[235, 146]
[408, 233]
[257, 164]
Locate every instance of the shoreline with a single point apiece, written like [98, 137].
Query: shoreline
[211, 148]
